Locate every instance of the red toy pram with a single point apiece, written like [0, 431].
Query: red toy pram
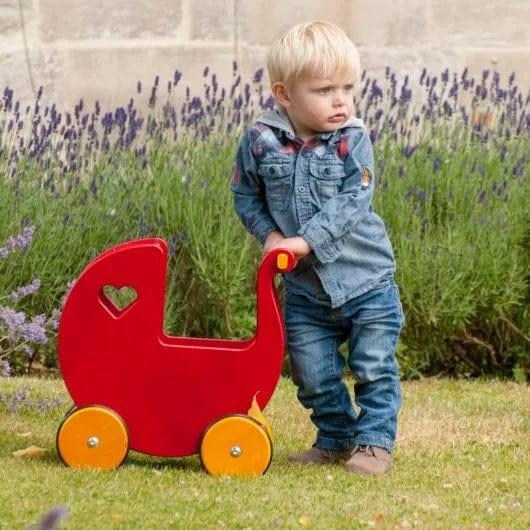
[133, 386]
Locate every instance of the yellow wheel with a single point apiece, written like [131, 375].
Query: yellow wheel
[93, 437]
[236, 445]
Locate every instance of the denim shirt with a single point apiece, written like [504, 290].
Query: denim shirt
[321, 190]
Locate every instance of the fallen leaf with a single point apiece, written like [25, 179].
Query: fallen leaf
[304, 520]
[255, 412]
[32, 451]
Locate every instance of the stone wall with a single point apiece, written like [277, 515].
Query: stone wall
[100, 49]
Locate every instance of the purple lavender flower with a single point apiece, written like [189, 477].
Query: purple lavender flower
[18, 329]
[408, 150]
[52, 518]
[34, 331]
[20, 241]
[26, 290]
[13, 321]
[18, 399]
[5, 368]
[410, 191]
[421, 195]
[28, 351]
[176, 77]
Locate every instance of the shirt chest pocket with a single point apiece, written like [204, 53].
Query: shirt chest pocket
[277, 177]
[327, 178]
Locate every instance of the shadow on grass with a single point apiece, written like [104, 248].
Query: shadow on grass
[187, 463]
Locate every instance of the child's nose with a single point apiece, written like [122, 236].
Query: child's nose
[338, 100]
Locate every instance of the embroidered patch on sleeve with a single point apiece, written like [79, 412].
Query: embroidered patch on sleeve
[235, 175]
[342, 146]
[366, 178]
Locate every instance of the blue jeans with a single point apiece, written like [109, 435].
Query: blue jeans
[372, 323]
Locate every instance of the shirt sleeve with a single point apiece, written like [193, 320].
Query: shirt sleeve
[249, 192]
[340, 214]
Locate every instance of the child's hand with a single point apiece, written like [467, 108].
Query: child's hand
[298, 245]
[273, 238]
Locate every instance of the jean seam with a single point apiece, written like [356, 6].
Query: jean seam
[334, 368]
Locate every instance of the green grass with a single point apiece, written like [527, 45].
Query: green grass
[462, 461]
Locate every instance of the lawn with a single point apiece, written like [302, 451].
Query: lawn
[462, 461]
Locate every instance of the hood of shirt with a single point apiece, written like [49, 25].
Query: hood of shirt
[279, 119]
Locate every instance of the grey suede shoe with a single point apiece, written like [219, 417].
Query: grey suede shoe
[315, 455]
[369, 460]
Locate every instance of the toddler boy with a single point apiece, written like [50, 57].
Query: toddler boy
[303, 180]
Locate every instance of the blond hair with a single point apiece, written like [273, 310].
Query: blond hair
[315, 49]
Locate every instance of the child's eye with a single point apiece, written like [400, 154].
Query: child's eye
[327, 89]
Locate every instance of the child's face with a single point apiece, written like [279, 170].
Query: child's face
[313, 104]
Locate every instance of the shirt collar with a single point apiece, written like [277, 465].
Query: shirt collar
[279, 120]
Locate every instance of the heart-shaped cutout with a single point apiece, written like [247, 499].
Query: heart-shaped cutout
[118, 299]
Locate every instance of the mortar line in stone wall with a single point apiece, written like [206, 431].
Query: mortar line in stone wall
[80, 44]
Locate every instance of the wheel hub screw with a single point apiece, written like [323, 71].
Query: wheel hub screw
[92, 442]
[235, 451]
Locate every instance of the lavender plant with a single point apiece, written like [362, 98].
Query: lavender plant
[452, 166]
[71, 143]
[22, 400]
[20, 334]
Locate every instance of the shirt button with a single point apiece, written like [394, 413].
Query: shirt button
[301, 188]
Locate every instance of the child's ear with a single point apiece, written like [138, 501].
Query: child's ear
[281, 94]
